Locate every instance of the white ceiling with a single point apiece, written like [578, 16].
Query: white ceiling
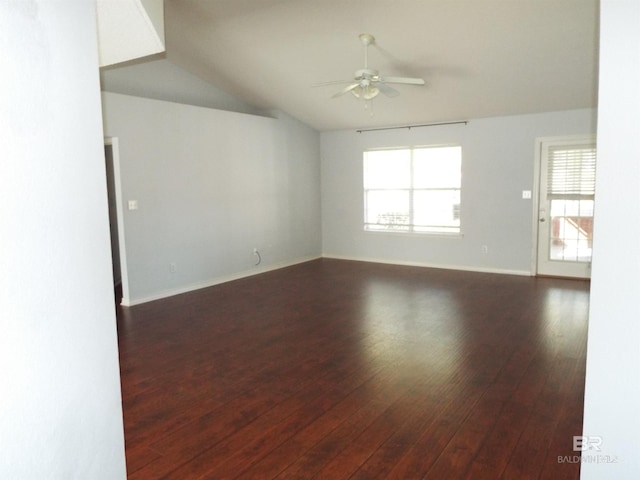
[479, 58]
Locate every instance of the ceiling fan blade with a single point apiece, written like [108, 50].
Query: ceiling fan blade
[333, 82]
[346, 90]
[405, 80]
[387, 90]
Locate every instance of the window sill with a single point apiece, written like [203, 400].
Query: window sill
[458, 235]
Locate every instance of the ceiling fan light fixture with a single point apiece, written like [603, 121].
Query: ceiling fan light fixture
[368, 92]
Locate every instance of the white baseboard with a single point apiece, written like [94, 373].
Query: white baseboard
[463, 268]
[130, 302]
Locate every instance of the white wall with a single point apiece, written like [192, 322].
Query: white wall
[211, 186]
[498, 163]
[60, 405]
[612, 399]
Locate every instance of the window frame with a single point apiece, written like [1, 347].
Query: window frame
[411, 227]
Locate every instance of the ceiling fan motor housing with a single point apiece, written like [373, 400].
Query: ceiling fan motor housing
[366, 39]
[367, 73]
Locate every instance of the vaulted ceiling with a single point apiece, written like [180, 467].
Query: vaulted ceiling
[479, 58]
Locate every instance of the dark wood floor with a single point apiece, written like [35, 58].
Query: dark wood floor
[337, 370]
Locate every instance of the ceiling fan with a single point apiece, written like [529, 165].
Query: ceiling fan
[367, 82]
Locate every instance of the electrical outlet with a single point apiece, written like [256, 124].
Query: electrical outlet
[485, 249]
[172, 267]
[258, 257]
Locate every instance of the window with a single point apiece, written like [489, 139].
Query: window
[571, 188]
[413, 189]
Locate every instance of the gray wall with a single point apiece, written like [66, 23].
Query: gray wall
[211, 186]
[60, 404]
[498, 163]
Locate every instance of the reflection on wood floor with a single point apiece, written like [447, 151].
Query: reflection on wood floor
[334, 369]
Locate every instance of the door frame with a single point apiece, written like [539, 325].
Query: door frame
[535, 213]
[124, 276]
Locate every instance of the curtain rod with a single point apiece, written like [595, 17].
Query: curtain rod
[409, 127]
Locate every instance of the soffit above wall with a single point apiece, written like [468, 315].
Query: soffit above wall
[126, 31]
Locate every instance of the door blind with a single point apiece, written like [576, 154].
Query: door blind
[571, 171]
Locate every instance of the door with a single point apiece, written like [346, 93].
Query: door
[113, 218]
[565, 206]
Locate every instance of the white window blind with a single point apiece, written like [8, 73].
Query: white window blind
[571, 172]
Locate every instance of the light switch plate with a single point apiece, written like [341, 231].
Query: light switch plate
[133, 204]
[526, 194]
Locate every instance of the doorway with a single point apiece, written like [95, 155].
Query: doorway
[566, 200]
[113, 216]
[116, 220]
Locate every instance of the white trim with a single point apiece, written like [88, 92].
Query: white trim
[129, 302]
[462, 268]
[536, 203]
[397, 233]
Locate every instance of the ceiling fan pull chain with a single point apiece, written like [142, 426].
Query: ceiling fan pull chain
[368, 105]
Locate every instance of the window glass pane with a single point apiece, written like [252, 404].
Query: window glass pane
[387, 169]
[387, 207]
[586, 208]
[571, 233]
[437, 167]
[438, 208]
[413, 190]
[558, 207]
